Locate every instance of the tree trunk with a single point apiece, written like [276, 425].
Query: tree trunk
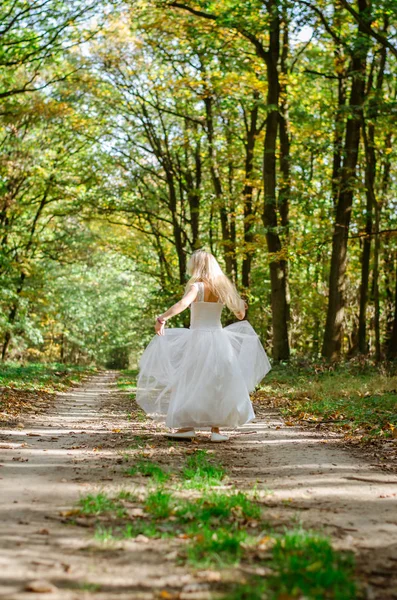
[278, 265]
[285, 151]
[376, 284]
[216, 181]
[370, 175]
[332, 343]
[392, 342]
[193, 181]
[12, 316]
[340, 118]
[251, 131]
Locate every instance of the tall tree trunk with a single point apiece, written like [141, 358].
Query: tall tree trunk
[392, 342]
[251, 132]
[278, 265]
[12, 316]
[370, 175]
[216, 181]
[193, 181]
[376, 283]
[332, 343]
[285, 149]
[388, 261]
[339, 126]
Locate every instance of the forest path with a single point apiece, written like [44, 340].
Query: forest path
[77, 447]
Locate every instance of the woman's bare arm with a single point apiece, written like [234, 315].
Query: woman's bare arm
[176, 309]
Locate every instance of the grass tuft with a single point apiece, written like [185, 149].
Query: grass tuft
[201, 472]
[148, 469]
[99, 504]
[159, 504]
[221, 546]
[306, 564]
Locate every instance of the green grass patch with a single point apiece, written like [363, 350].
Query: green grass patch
[355, 397]
[303, 564]
[217, 508]
[104, 535]
[306, 564]
[38, 376]
[201, 471]
[218, 546]
[127, 379]
[150, 469]
[158, 504]
[99, 504]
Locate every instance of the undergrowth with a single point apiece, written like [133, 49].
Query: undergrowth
[357, 398]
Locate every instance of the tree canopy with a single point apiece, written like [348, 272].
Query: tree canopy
[132, 133]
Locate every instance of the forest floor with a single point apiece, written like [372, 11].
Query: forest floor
[69, 477]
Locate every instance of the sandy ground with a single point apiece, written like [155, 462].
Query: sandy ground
[76, 448]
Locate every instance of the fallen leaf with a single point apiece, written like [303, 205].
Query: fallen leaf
[40, 586]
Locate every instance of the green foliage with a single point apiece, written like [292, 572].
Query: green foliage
[107, 169]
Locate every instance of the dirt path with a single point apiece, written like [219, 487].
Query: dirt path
[77, 447]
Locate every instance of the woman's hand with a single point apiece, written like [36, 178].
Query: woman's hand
[159, 327]
[240, 315]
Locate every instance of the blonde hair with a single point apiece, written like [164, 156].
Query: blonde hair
[203, 266]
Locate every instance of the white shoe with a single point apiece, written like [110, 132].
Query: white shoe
[218, 437]
[183, 435]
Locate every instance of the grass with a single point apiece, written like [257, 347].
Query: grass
[219, 546]
[30, 388]
[127, 379]
[201, 472]
[218, 507]
[38, 376]
[148, 469]
[215, 524]
[87, 586]
[158, 504]
[126, 495]
[303, 564]
[104, 535]
[99, 504]
[138, 442]
[355, 397]
[306, 564]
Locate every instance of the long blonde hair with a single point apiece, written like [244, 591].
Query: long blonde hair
[203, 266]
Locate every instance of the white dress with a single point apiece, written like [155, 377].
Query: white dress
[202, 376]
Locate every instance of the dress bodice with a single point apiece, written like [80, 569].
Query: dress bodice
[205, 315]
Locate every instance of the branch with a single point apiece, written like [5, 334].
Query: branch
[368, 29]
[312, 72]
[193, 11]
[260, 50]
[324, 21]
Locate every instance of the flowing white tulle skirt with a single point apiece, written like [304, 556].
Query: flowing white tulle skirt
[202, 377]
